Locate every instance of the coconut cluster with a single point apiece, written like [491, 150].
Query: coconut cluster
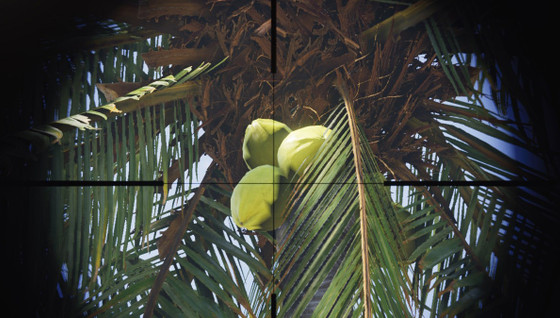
[272, 152]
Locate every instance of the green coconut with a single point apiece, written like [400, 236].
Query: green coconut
[257, 201]
[299, 147]
[261, 142]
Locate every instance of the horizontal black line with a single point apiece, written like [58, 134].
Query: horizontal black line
[78, 183]
[103, 183]
[487, 183]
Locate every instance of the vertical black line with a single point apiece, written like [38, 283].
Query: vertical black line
[273, 71]
[273, 305]
[273, 37]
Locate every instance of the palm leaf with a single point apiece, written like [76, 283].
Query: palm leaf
[454, 261]
[142, 97]
[323, 233]
[107, 228]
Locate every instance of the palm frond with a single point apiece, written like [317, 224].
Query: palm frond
[157, 92]
[102, 231]
[323, 234]
[410, 16]
[464, 264]
[458, 234]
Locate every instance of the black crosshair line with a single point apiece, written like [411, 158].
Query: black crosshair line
[80, 183]
[273, 73]
[109, 183]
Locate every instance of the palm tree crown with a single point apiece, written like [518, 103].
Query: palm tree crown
[404, 210]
